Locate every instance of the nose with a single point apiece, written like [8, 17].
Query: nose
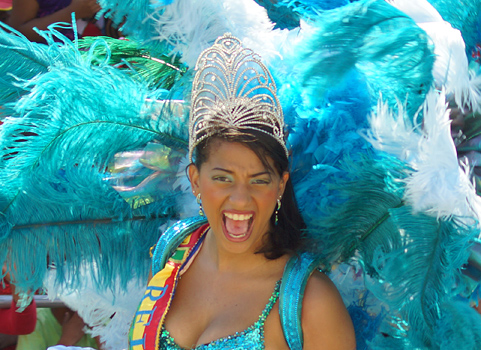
[240, 196]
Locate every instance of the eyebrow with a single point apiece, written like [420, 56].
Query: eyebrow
[253, 175]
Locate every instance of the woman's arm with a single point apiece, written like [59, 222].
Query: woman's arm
[23, 16]
[72, 329]
[326, 324]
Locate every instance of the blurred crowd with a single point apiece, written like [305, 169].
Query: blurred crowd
[28, 16]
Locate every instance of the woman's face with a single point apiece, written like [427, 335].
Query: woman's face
[238, 195]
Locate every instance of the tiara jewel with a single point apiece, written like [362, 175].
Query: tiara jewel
[233, 89]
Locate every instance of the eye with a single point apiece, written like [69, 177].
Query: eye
[221, 178]
[261, 181]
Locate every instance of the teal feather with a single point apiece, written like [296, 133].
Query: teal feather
[280, 14]
[134, 19]
[56, 152]
[381, 42]
[459, 327]
[342, 220]
[403, 253]
[160, 71]
[426, 266]
[21, 60]
[463, 15]
[308, 9]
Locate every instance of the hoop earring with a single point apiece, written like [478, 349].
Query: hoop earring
[199, 201]
[277, 211]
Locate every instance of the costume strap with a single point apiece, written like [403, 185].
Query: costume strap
[296, 273]
[172, 238]
[156, 302]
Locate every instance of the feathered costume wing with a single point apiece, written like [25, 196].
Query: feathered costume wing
[94, 144]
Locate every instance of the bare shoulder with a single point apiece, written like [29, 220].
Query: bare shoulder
[326, 323]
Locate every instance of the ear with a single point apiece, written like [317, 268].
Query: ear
[194, 178]
[283, 182]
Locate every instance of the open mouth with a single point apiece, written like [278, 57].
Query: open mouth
[237, 226]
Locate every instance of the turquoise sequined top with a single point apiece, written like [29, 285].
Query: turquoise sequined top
[250, 339]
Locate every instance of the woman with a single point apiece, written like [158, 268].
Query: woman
[221, 285]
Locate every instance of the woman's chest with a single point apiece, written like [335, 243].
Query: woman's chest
[204, 310]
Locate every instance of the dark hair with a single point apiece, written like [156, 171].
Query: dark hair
[286, 236]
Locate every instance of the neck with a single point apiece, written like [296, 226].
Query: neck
[223, 261]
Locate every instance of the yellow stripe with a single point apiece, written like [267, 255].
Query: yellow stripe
[148, 304]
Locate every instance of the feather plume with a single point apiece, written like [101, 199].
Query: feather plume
[107, 312]
[451, 65]
[394, 132]
[283, 16]
[431, 152]
[466, 18]
[159, 71]
[402, 252]
[21, 60]
[56, 152]
[321, 138]
[426, 267]
[380, 41]
[310, 9]
[134, 17]
[440, 185]
[187, 27]
[459, 326]
[286, 13]
[191, 26]
[363, 181]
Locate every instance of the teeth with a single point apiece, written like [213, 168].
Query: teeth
[238, 217]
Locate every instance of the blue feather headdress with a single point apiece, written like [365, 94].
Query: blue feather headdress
[89, 177]
[57, 152]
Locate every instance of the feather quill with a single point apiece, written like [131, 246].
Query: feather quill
[159, 71]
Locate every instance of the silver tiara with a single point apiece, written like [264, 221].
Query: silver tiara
[233, 89]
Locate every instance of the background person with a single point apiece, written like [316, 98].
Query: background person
[28, 14]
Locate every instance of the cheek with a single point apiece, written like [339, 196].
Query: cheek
[269, 199]
[211, 196]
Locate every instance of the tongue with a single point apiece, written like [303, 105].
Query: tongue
[236, 227]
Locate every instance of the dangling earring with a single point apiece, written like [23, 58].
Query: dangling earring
[199, 201]
[277, 211]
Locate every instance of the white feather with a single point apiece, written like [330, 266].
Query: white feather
[393, 133]
[97, 307]
[439, 186]
[191, 26]
[451, 70]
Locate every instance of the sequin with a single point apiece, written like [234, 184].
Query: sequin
[250, 339]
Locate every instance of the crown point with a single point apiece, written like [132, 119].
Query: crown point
[232, 101]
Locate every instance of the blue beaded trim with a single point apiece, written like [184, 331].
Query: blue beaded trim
[172, 238]
[257, 329]
[296, 273]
